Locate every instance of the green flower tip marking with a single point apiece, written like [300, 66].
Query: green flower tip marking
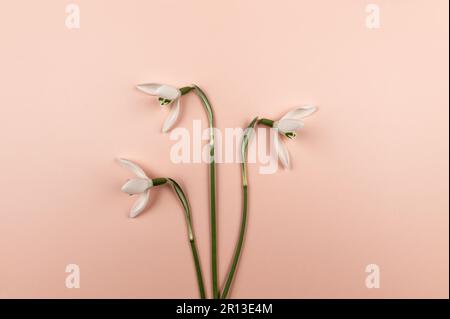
[162, 101]
[290, 135]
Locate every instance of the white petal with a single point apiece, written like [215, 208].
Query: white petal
[136, 186]
[132, 167]
[288, 125]
[168, 92]
[140, 204]
[281, 151]
[300, 112]
[149, 88]
[172, 117]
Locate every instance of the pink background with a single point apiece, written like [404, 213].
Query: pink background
[370, 176]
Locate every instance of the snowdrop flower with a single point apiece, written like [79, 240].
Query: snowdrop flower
[167, 95]
[287, 126]
[141, 185]
[137, 186]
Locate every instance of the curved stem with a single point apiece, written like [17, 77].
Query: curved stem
[184, 201]
[240, 242]
[212, 190]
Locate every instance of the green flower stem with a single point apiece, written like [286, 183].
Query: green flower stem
[240, 242]
[184, 201]
[212, 190]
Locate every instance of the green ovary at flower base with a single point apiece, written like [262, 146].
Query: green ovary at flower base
[285, 126]
[141, 185]
[169, 95]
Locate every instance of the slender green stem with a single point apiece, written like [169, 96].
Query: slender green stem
[212, 190]
[184, 201]
[240, 242]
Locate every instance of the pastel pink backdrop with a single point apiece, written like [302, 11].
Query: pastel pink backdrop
[370, 177]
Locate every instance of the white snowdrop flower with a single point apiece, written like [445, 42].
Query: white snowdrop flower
[287, 126]
[167, 95]
[137, 186]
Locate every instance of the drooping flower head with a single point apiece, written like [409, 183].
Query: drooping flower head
[288, 126]
[167, 95]
[136, 186]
